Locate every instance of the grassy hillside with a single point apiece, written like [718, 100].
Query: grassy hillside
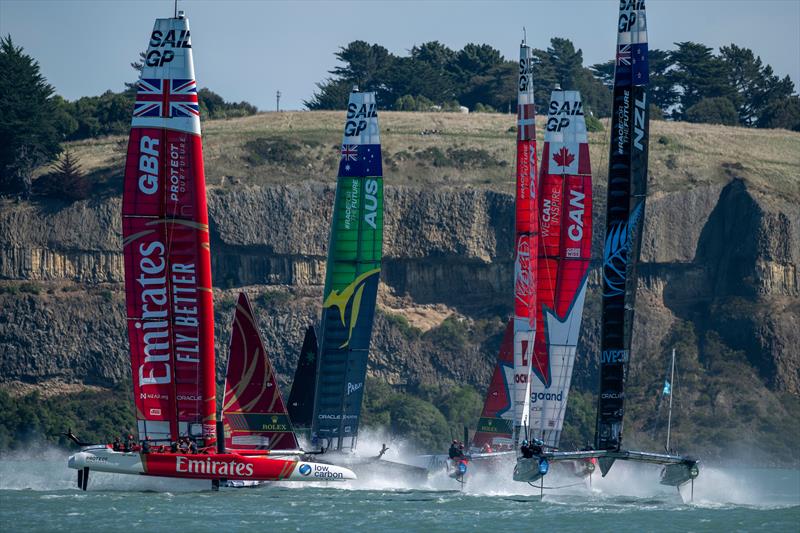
[475, 149]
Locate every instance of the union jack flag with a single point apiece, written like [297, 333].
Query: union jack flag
[624, 55]
[166, 98]
[349, 152]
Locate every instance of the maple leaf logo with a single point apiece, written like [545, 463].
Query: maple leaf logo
[563, 158]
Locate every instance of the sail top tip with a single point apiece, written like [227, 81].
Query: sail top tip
[180, 14]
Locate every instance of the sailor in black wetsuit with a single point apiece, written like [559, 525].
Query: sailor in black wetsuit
[525, 450]
[454, 452]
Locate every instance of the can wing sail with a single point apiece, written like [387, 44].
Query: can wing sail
[627, 188]
[495, 424]
[565, 207]
[301, 397]
[351, 281]
[253, 411]
[166, 247]
[526, 239]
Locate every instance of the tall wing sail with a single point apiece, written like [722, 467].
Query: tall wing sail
[527, 237]
[495, 424]
[351, 280]
[565, 241]
[301, 397]
[627, 188]
[253, 411]
[166, 247]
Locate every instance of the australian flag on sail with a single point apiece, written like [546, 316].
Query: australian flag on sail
[166, 98]
[360, 160]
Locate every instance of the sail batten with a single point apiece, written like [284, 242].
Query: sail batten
[627, 189]
[166, 247]
[351, 280]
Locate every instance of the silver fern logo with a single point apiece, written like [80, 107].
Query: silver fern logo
[615, 253]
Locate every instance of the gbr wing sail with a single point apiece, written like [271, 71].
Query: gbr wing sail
[526, 240]
[627, 188]
[301, 397]
[351, 280]
[253, 412]
[565, 214]
[166, 247]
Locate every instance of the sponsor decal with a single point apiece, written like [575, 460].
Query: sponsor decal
[209, 466]
[305, 469]
[523, 283]
[559, 114]
[324, 472]
[353, 387]
[613, 395]
[371, 202]
[575, 230]
[628, 14]
[148, 165]
[95, 459]
[622, 122]
[614, 356]
[639, 114]
[350, 297]
[525, 73]
[358, 119]
[171, 39]
[547, 396]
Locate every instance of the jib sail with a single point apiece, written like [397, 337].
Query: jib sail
[565, 239]
[526, 239]
[627, 187]
[253, 411]
[495, 424]
[166, 247]
[351, 280]
[301, 397]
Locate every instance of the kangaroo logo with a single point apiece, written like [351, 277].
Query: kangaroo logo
[352, 292]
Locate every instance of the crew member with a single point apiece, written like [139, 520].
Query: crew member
[173, 447]
[146, 445]
[116, 445]
[129, 443]
[192, 446]
[536, 448]
[453, 452]
[487, 448]
[525, 450]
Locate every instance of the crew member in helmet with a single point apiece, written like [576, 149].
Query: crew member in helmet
[453, 452]
[525, 450]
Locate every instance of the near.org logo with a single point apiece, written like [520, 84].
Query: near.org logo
[305, 469]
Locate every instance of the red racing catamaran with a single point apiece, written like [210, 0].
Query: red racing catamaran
[168, 291]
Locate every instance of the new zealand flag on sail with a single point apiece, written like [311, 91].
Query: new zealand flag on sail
[360, 160]
[631, 65]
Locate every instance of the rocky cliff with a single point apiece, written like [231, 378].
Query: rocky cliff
[718, 274]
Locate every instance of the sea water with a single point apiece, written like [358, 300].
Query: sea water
[38, 493]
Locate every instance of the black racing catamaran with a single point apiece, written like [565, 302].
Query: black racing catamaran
[627, 189]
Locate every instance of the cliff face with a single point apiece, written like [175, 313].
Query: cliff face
[721, 257]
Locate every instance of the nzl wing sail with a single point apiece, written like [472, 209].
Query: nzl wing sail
[495, 424]
[166, 249]
[301, 397]
[253, 412]
[526, 240]
[565, 241]
[627, 188]
[351, 280]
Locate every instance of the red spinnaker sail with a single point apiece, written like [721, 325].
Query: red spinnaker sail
[166, 247]
[526, 237]
[253, 411]
[565, 241]
[495, 425]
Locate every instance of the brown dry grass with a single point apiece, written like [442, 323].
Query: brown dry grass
[682, 154]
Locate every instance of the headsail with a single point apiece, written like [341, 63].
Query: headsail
[351, 280]
[627, 187]
[301, 397]
[166, 247]
[565, 241]
[495, 424]
[526, 239]
[253, 411]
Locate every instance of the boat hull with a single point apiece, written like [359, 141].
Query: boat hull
[231, 466]
[530, 470]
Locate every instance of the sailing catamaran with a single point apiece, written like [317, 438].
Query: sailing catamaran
[627, 184]
[168, 290]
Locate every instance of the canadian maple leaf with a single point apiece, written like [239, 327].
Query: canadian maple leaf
[563, 158]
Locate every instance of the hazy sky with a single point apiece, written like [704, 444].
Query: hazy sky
[246, 50]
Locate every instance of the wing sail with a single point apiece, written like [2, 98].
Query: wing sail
[301, 397]
[253, 412]
[351, 281]
[627, 188]
[495, 424]
[565, 207]
[526, 239]
[166, 247]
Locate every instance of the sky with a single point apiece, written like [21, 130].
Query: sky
[248, 50]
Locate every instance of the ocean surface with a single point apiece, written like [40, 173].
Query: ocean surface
[37, 493]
